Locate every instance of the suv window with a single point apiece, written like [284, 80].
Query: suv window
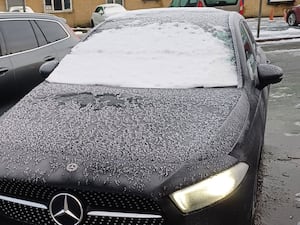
[18, 43]
[52, 30]
[39, 35]
[2, 52]
[184, 3]
[220, 3]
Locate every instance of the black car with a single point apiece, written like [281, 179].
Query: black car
[156, 118]
[27, 40]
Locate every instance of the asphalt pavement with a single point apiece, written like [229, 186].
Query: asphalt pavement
[279, 180]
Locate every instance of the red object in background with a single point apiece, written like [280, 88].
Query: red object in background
[199, 4]
[241, 7]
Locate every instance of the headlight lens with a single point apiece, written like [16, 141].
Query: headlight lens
[210, 190]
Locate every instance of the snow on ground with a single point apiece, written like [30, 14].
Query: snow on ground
[170, 55]
[288, 33]
[273, 29]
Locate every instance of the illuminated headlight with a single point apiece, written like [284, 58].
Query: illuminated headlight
[210, 190]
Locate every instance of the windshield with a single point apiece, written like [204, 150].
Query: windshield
[154, 52]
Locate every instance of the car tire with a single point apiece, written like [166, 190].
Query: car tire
[92, 23]
[291, 19]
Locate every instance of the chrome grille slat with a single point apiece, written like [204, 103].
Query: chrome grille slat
[123, 215]
[23, 202]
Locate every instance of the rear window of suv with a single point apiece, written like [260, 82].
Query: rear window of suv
[220, 2]
[184, 3]
[52, 30]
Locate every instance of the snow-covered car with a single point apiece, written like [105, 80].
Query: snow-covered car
[293, 16]
[156, 118]
[20, 9]
[104, 11]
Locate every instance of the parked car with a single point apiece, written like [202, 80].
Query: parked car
[293, 16]
[27, 40]
[104, 11]
[231, 5]
[162, 127]
[20, 9]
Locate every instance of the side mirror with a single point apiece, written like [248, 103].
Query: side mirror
[47, 68]
[268, 74]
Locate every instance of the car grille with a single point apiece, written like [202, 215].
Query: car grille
[41, 195]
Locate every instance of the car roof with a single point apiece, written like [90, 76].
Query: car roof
[110, 4]
[19, 7]
[18, 15]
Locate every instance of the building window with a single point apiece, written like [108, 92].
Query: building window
[58, 5]
[121, 2]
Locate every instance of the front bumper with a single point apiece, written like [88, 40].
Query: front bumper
[236, 209]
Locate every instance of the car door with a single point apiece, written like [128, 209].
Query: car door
[7, 79]
[28, 51]
[257, 96]
[57, 36]
[254, 58]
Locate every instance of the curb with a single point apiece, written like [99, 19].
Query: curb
[277, 39]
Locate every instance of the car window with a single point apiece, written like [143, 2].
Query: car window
[249, 52]
[38, 33]
[98, 9]
[250, 35]
[2, 52]
[220, 3]
[183, 3]
[53, 31]
[18, 36]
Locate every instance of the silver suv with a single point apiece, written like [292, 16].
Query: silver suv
[27, 40]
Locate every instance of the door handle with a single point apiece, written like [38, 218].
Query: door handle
[3, 70]
[49, 58]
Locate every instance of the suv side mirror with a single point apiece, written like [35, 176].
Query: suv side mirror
[268, 74]
[47, 68]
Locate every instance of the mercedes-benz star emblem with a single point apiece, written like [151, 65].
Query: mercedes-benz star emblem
[72, 167]
[65, 209]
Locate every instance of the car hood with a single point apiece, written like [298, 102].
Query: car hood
[133, 140]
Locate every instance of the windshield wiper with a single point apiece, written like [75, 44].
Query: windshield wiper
[230, 86]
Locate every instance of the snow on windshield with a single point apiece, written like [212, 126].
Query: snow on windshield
[156, 55]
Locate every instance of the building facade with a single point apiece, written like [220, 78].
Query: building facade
[78, 12]
[269, 7]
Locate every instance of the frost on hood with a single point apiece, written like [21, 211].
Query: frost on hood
[170, 49]
[119, 137]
